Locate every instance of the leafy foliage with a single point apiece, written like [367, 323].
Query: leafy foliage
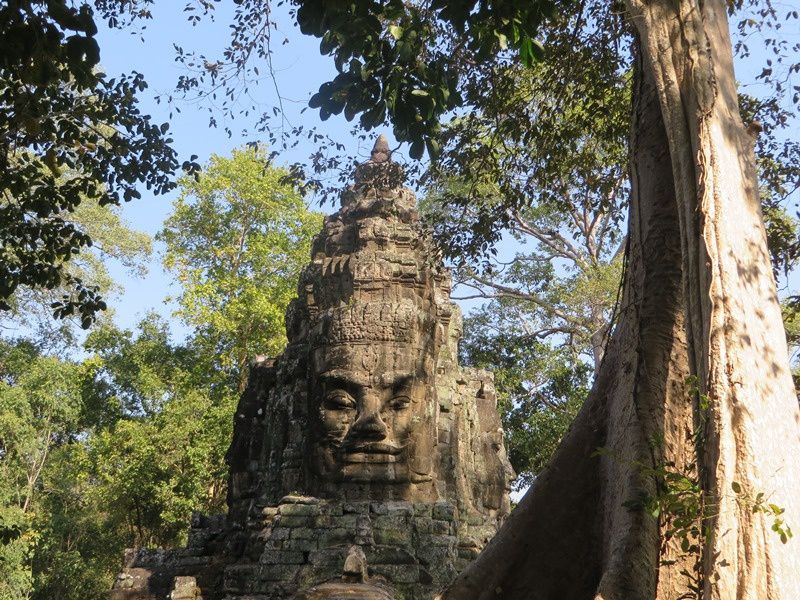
[558, 189]
[573, 160]
[113, 242]
[40, 408]
[112, 451]
[402, 61]
[164, 459]
[67, 134]
[540, 388]
[236, 241]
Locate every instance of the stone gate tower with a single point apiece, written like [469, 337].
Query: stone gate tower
[363, 458]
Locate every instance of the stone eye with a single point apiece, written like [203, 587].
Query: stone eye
[339, 400]
[400, 402]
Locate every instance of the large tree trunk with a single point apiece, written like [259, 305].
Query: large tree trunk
[571, 535]
[737, 344]
[697, 248]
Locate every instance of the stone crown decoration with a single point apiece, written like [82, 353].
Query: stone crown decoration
[364, 444]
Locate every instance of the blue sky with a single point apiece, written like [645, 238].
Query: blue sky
[299, 70]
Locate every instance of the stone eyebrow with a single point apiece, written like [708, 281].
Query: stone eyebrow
[347, 377]
[393, 378]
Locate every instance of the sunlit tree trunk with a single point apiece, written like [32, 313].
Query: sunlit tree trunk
[571, 535]
[737, 343]
[700, 300]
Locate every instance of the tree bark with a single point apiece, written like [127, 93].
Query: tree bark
[700, 299]
[736, 340]
[571, 536]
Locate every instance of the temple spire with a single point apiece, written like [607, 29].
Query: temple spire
[380, 171]
[381, 152]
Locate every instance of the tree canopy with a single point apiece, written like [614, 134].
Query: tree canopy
[68, 134]
[114, 443]
[236, 241]
[525, 109]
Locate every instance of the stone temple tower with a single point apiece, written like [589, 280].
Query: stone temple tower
[364, 459]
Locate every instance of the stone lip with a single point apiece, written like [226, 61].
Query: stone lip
[384, 449]
[345, 591]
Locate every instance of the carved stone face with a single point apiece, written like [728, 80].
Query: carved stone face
[499, 474]
[370, 414]
[493, 473]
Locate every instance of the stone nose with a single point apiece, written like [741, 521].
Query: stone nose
[368, 422]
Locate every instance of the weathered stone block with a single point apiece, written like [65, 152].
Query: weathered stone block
[442, 527]
[279, 533]
[399, 508]
[282, 557]
[351, 521]
[392, 537]
[185, 588]
[434, 556]
[348, 521]
[299, 499]
[334, 537]
[328, 556]
[269, 511]
[293, 520]
[441, 540]
[303, 545]
[298, 510]
[424, 524]
[443, 511]
[389, 555]
[304, 533]
[423, 509]
[378, 508]
[475, 520]
[356, 507]
[331, 508]
[390, 522]
[323, 521]
[279, 572]
[274, 545]
[397, 573]
[468, 554]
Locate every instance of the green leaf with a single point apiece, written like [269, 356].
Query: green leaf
[526, 52]
[537, 50]
[433, 148]
[396, 31]
[417, 149]
[315, 101]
